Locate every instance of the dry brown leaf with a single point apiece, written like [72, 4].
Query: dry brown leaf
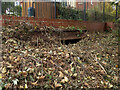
[31, 70]
[34, 83]
[37, 64]
[59, 48]
[9, 65]
[75, 74]
[24, 73]
[86, 84]
[21, 86]
[8, 85]
[11, 57]
[67, 55]
[57, 84]
[18, 59]
[115, 78]
[3, 70]
[64, 80]
[26, 53]
[41, 77]
[103, 62]
[60, 74]
[52, 62]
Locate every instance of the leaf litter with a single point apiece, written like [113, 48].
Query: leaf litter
[90, 63]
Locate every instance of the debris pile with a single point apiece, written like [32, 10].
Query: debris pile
[90, 63]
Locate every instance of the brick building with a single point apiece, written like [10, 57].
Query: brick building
[79, 4]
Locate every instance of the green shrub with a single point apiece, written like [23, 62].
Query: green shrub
[70, 13]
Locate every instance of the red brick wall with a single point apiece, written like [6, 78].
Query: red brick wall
[90, 26]
[80, 5]
[12, 20]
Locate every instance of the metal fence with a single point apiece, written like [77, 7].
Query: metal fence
[102, 11]
[99, 11]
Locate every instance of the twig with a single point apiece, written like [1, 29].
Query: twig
[42, 67]
[100, 64]
[37, 41]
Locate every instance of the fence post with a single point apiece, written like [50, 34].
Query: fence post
[119, 39]
[0, 37]
[84, 10]
[103, 10]
[116, 12]
[55, 9]
[0, 7]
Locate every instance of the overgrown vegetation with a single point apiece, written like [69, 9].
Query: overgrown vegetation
[96, 13]
[92, 14]
[69, 13]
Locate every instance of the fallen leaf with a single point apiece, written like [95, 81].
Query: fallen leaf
[62, 81]
[3, 70]
[110, 85]
[93, 78]
[9, 65]
[21, 86]
[8, 85]
[37, 64]
[115, 78]
[66, 71]
[72, 69]
[60, 74]
[75, 74]
[18, 59]
[26, 53]
[30, 70]
[35, 83]
[103, 62]
[24, 73]
[116, 66]
[0, 76]
[41, 77]
[15, 81]
[26, 86]
[10, 40]
[86, 84]
[59, 48]
[11, 57]
[66, 79]
[57, 84]
[67, 55]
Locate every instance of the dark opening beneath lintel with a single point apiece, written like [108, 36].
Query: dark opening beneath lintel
[70, 41]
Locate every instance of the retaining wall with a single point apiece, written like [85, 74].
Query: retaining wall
[89, 25]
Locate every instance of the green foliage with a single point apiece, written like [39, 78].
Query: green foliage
[70, 13]
[117, 2]
[15, 9]
[72, 28]
[96, 14]
[6, 5]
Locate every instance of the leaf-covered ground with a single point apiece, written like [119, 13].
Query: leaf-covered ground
[90, 63]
